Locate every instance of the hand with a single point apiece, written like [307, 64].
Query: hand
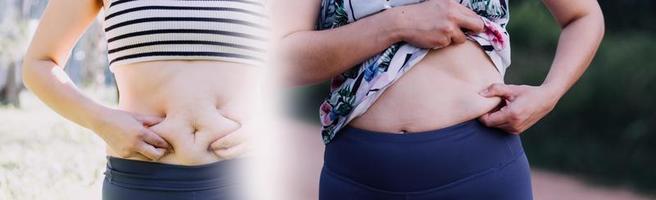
[522, 107]
[234, 144]
[128, 134]
[436, 23]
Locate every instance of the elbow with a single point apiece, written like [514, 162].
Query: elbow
[601, 23]
[296, 82]
[31, 68]
[592, 19]
[28, 71]
[306, 77]
[597, 24]
[300, 70]
[591, 14]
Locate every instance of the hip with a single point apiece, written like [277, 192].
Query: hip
[421, 161]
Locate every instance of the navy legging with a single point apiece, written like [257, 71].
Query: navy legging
[466, 161]
[131, 179]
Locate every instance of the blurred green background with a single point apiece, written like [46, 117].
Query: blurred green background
[604, 129]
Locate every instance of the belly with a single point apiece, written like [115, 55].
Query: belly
[439, 91]
[200, 101]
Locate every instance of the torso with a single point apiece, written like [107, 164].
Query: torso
[201, 101]
[439, 91]
[405, 89]
[194, 63]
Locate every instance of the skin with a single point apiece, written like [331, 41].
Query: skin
[166, 113]
[582, 26]
[467, 87]
[459, 80]
[313, 56]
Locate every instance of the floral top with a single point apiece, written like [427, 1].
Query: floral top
[354, 91]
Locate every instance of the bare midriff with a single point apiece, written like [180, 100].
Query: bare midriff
[439, 91]
[200, 101]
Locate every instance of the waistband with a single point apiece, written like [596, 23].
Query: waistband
[378, 136]
[419, 161]
[159, 176]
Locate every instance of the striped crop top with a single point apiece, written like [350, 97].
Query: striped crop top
[153, 30]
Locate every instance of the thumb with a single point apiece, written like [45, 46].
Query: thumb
[152, 138]
[495, 118]
[148, 120]
[470, 21]
[498, 90]
[151, 152]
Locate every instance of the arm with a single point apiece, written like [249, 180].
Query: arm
[43, 72]
[314, 56]
[582, 30]
[62, 24]
[319, 55]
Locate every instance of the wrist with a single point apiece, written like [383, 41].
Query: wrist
[553, 91]
[392, 24]
[96, 117]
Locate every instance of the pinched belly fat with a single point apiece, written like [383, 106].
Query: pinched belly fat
[200, 102]
[191, 133]
[439, 91]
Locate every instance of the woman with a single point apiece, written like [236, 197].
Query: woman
[418, 108]
[188, 81]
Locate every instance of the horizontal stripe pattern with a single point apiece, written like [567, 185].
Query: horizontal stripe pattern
[194, 27]
[186, 53]
[185, 42]
[117, 2]
[151, 30]
[182, 19]
[193, 37]
[120, 63]
[110, 16]
[144, 50]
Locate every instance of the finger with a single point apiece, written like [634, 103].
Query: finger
[152, 138]
[458, 37]
[232, 152]
[509, 129]
[470, 21]
[150, 152]
[496, 119]
[498, 90]
[233, 139]
[441, 42]
[148, 120]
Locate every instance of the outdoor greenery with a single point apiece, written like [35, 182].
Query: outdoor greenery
[605, 127]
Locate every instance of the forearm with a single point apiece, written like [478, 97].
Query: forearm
[577, 46]
[51, 84]
[315, 56]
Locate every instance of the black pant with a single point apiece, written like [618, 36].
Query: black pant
[467, 161]
[141, 180]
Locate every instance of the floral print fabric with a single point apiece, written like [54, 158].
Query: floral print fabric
[352, 92]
